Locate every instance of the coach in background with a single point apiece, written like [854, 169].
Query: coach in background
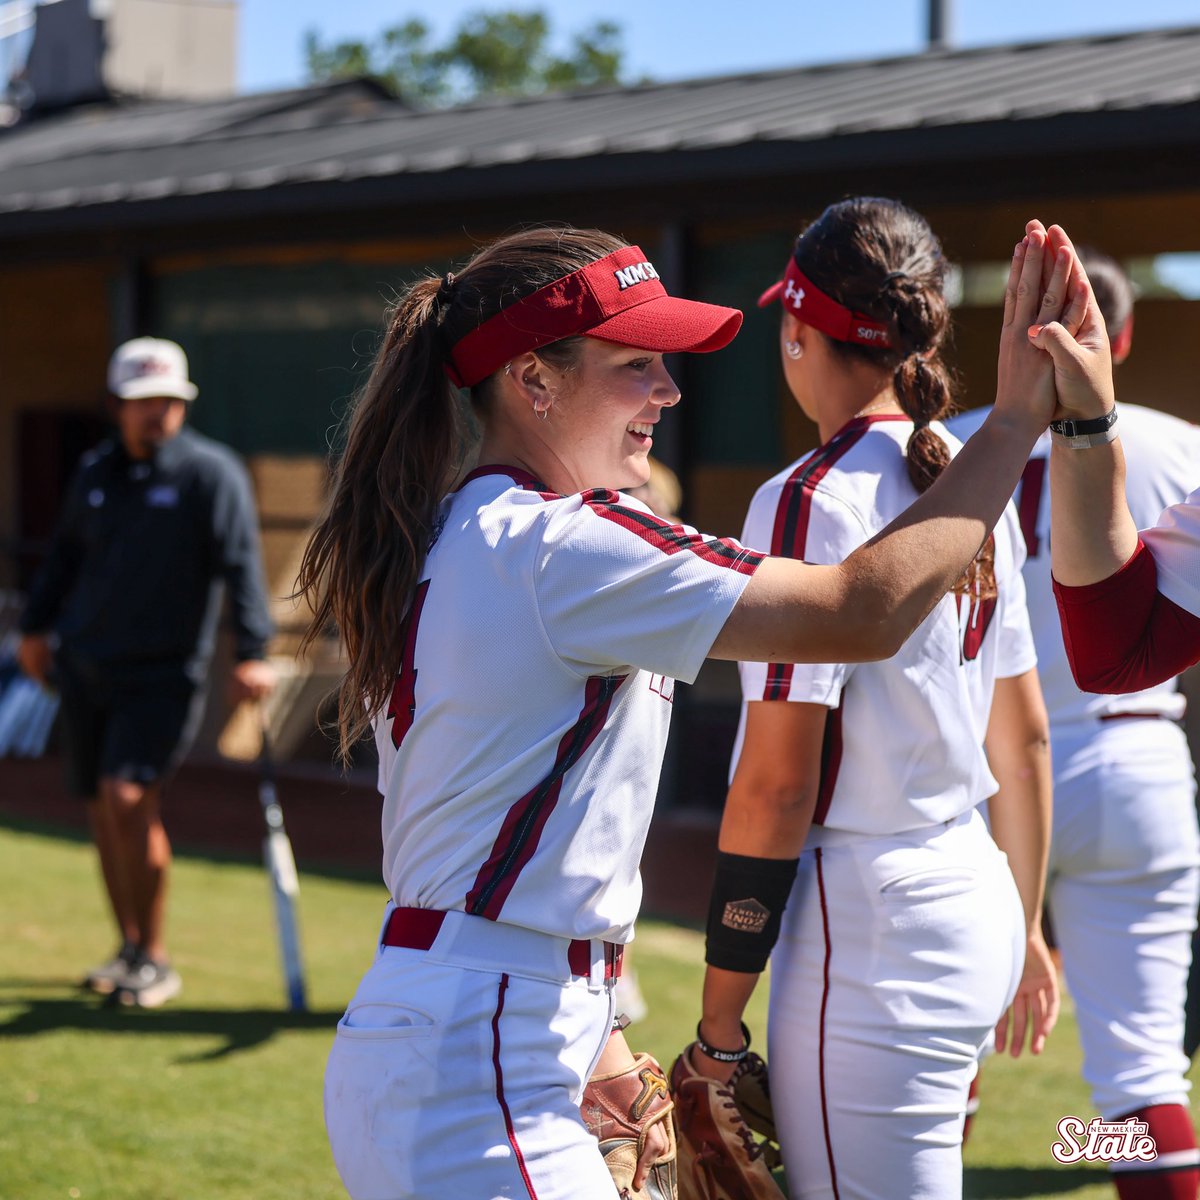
[1124, 872]
[152, 524]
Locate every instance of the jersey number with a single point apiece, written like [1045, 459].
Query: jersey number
[403, 706]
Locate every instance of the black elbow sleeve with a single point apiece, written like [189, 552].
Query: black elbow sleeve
[744, 914]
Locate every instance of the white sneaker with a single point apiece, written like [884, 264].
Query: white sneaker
[147, 984]
[105, 978]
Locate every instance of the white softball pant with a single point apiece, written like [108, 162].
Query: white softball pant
[457, 1072]
[898, 955]
[1122, 893]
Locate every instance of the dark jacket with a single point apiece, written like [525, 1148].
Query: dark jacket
[133, 578]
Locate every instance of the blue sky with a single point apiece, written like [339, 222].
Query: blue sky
[677, 39]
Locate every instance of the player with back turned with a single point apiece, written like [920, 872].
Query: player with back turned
[1124, 870]
[512, 639]
[851, 829]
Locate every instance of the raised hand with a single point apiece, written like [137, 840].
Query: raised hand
[1025, 378]
[1070, 329]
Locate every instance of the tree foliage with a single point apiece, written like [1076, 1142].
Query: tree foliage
[489, 54]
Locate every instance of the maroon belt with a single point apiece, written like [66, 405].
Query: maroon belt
[1132, 716]
[416, 929]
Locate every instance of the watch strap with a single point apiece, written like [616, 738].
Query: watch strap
[1082, 435]
[1070, 428]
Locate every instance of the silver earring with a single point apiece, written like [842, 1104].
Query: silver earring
[793, 349]
[540, 413]
[508, 368]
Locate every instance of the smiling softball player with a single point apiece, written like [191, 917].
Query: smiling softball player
[513, 637]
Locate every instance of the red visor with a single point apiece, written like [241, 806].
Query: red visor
[810, 305]
[618, 298]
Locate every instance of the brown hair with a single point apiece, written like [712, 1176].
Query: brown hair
[880, 258]
[405, 444]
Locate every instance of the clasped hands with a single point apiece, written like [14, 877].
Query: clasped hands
[1054, 354]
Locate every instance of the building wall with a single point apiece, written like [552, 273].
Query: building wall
[175, 48]
[54, 347]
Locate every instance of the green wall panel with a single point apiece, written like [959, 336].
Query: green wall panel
[277, 350]
[733, 405]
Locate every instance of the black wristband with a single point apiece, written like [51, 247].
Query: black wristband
[724, 1055]
[744, 914]
[1072, 429]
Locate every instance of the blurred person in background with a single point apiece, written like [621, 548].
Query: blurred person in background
[1124, 872]
[662, 493]
[122, 618]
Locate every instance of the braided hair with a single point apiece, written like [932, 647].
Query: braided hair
[880, 258]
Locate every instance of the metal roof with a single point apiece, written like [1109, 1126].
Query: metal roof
[155, 151]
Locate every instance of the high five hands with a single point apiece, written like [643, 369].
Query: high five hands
[1049, 308]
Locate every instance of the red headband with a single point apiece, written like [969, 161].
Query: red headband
[618, 298]
[809, 304]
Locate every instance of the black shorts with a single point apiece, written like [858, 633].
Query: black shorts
[124, 725]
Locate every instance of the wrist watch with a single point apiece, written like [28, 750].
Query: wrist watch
[1082, 435]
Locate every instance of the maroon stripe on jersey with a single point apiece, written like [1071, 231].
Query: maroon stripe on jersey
[792, 515]
[831, 763]
[671, 539]
[522, 479]
[523, 824]
[508, 1121]
[402, 708]
[824, 1006]
[1029, 503]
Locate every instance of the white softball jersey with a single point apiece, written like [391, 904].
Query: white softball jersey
[1123, 874]
[520, 753]
[1162, 459]
[1175, 543]
[904, 738]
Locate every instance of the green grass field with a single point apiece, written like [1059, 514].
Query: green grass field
[218, 1095]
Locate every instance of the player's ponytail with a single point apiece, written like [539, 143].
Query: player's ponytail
[880, 258]
[402, 447]
[918, 318]
[406, 444]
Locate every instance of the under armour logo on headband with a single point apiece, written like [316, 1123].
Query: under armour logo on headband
[636, 273]
[823, 312]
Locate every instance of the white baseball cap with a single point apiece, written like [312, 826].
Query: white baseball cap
[149, 366]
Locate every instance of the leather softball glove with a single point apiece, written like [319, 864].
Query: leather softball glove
[619, 1109]
[719, 1156]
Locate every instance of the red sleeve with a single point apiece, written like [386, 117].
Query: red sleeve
[1122, 634]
